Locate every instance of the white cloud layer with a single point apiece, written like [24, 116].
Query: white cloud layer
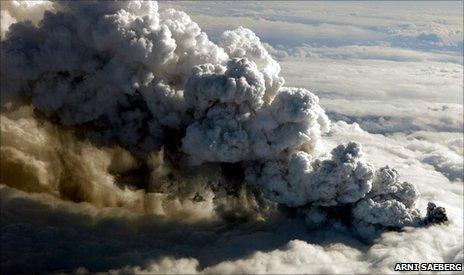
[135, 142]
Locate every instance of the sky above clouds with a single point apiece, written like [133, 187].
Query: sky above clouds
[389, 75]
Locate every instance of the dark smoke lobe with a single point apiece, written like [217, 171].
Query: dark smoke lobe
[137, 109]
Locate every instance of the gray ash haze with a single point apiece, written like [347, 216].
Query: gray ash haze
[230, 137]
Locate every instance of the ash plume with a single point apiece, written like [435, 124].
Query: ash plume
[209, 129]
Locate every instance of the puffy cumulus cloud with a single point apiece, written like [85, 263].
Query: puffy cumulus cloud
[123, 78]
[343, 179]
[64, 236]
[243, 42]
[390, 201]
[116, 105]
[237, 129]
[417, 147]
[126, 80]
[406, 156]
[192, 46]
[295, 257]
[74, 65]
[374, 199]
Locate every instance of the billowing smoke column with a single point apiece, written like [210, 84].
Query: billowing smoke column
[122, 72]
